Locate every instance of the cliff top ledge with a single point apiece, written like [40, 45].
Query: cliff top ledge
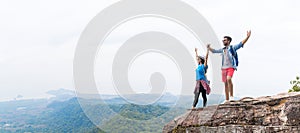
[278, 113]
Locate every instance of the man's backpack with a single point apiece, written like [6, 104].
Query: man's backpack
[235, 55]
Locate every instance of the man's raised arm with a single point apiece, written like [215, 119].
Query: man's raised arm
[248, 36]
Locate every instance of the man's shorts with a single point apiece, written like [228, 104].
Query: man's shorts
[227, 72]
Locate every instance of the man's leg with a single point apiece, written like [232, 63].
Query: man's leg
[230, 85]
[229, 81]
[224, 79]
[226, 90]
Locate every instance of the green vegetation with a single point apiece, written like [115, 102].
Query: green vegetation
[140, 112]
[68, 116]
[128, 118]
[295, 85]
[141, 118]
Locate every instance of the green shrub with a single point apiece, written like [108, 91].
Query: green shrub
[295, 85]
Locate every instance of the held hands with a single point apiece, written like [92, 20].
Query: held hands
[207, 50]
[208, 47]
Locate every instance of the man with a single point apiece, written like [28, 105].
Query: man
[229, 62]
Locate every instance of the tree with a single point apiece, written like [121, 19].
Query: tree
[295, 85]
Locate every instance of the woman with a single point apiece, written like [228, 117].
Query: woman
[201, 81]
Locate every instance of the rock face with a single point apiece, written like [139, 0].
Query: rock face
[279, 113]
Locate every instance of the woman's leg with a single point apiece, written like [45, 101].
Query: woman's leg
[196, 98]
[203, 91]
[197, 93]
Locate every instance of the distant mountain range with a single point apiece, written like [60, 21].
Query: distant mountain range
[63, 112]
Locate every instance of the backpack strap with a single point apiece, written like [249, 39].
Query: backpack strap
[234, 55]
[232, 51]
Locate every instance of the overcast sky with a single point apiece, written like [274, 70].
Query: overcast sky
[38, 40]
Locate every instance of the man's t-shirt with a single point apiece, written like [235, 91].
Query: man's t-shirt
[227, 63]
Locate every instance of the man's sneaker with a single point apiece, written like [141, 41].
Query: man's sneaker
[225, 101]
[233, 99]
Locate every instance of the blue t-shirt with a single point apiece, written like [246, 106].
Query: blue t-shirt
[200, 72]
